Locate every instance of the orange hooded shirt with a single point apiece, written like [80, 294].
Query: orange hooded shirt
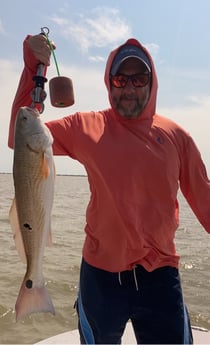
[135, 168]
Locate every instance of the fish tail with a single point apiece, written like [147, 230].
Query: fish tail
[33, 300]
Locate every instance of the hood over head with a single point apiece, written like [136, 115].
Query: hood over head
[129, 51]
[133, 48]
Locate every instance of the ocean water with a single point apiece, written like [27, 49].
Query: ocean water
[62, 261]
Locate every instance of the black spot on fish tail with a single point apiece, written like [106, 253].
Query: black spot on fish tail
[29, 283]
[27, 226]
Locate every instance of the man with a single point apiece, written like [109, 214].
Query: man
[135, 161]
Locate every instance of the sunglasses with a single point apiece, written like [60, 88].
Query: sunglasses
[138, 80]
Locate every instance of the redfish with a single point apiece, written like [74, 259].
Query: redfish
[30, 213]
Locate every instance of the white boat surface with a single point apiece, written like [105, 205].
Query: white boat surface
[200, 335]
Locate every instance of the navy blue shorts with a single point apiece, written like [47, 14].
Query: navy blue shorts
[152, 301]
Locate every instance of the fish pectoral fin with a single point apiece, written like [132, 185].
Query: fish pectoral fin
[45, 168]
[13, 217]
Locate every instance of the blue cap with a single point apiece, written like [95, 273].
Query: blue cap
[129, 51]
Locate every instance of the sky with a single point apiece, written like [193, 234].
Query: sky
[176, 32]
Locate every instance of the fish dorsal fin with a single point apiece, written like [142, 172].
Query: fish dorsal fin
[13, 217]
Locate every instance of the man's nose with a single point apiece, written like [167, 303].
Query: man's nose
[129, 85]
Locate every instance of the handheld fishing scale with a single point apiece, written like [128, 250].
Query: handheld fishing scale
[60, 87]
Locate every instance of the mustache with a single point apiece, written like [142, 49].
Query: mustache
[128, 97]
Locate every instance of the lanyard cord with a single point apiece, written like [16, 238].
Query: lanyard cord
[45, 31]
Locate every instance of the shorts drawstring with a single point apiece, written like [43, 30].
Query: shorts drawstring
[134, 276]
[119, 278]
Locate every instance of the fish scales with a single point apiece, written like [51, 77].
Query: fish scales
[34, 174]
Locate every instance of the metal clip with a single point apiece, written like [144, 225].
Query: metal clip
[38, 94]
[45, 31]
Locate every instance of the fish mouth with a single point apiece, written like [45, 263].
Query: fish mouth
[32, 110]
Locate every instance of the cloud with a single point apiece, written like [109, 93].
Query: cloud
[89, 90]
[2, 30]
[100, 27]
[96, 58]
[194, 118]
[153, 48]
[8, 83]
[9, 77]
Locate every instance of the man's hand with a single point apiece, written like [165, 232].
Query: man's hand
[40, 48]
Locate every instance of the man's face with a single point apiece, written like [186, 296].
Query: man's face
[131, 100]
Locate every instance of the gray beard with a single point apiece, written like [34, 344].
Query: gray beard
[134, 112]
